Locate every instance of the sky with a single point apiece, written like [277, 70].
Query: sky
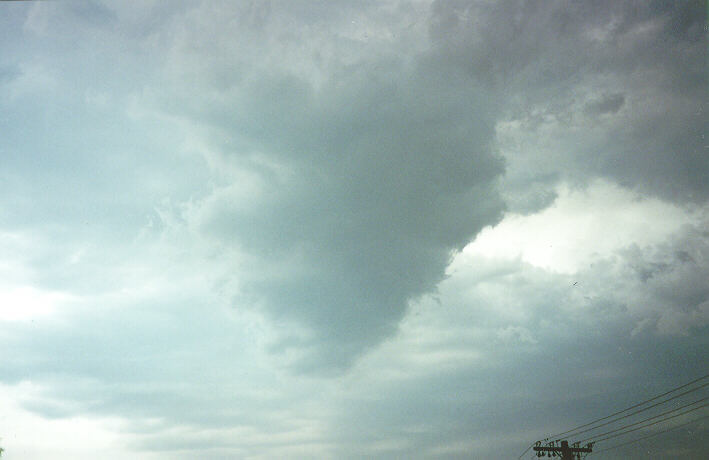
[333, 229]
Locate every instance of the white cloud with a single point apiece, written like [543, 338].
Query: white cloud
[26, 435]
[581, 225]
[27, 303]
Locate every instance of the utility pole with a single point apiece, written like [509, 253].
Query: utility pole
[563, 450]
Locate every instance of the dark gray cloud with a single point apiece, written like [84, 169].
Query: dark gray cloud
[553, 65]
[607, 104]
[385, 151]
[388, 170]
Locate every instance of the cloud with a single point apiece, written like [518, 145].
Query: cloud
[580, 226]
[237, 230]
[76, 437]
[188, 375]
[609, 89]
[373, 140]
[368, 177]
[607, 104]
[503, 340]
[671, 284]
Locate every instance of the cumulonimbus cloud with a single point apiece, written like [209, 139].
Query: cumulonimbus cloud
[372, 158]
[363, 184]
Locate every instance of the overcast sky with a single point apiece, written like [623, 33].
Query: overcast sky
[375, 229]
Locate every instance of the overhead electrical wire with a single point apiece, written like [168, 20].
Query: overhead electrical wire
[631, 407]
[576, 433]
[525, 451]
[648, 419]
[652, 435]
[611, 416]
[649, 424]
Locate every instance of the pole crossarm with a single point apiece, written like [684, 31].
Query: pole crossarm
[563, 450]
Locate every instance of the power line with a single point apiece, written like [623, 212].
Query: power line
[649, 424]
[638, 411]
[653, 434]
[647, 419]
[563, 449]
[629, 408]
[525, 451]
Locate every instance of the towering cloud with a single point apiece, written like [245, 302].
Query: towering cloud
[357, 175]
[367, 143]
